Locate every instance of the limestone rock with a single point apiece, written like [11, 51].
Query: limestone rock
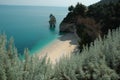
[67, 27]
[52, 21]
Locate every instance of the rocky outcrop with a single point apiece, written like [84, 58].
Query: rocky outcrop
[108, 1]
[92, 28]
[89, 25]
[93, 21]
[67, 27]
[68, 23]
[85, 29]
[88, 30]
[52, 21]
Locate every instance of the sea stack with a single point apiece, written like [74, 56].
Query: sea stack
[52, 21]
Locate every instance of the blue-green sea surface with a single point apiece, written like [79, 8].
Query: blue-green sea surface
[29, 25]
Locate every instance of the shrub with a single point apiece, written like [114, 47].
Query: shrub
[100, 62]
[12, 68]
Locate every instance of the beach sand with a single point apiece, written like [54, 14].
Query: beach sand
[63, 46]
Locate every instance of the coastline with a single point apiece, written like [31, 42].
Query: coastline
[62, 46]
[39, 49]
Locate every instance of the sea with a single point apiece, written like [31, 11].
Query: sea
[29, 25]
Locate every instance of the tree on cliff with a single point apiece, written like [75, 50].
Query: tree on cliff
[71, 8]
[80, 9]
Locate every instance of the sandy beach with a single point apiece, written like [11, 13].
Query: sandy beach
[63, 46]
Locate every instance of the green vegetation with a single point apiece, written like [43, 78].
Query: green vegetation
[71, 8]
[93, 21]
[12, 68]
[105, 14]
[100, 62]
[108, 1]
[79, 9]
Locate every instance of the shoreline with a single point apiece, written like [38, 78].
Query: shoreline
[62, 46]
[43, 47]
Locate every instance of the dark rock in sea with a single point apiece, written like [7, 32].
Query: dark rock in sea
[52, 21]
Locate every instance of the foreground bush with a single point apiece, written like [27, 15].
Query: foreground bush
[100, 62]
[12, 68]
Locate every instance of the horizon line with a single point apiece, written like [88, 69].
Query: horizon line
[32, 5]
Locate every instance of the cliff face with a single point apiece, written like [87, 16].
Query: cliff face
[86, 29]
[90, 22]
[108, 1]
[90, 27]
[104, 17]
[68, 23]
[73, 24]
[67, 27]
[105, 12]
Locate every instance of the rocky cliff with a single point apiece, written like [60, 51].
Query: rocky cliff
[67, 27]
[92, 21]
[85, 28]
[108, 1]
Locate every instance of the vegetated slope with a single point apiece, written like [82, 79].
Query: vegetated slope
[108, 1]
[100, 62]
[92, 21]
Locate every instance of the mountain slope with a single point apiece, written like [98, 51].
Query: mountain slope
[108, 1]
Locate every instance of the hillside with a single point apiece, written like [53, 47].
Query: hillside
[108, 1]
[92, 21]
[100, 62]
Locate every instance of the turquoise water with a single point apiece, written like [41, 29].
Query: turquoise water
[29, 25]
